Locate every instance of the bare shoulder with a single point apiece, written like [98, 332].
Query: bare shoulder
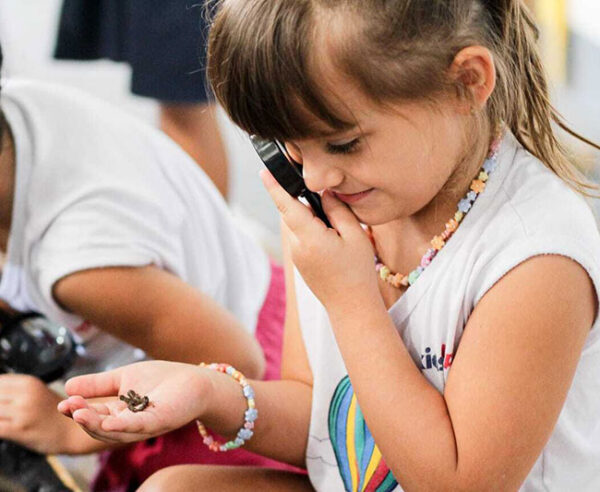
[516, 362]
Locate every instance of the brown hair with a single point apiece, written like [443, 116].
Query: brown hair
[265, 57]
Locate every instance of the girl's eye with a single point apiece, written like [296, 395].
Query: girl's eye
[345, 148]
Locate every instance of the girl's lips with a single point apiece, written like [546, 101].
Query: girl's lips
[354, 197]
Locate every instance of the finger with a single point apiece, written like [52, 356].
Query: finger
[340, 216]
[109, 428]
[7, 430]
[7, 412]
[90, 422]
[64, 408]
[296, 216]
[68, 406]
[95, 385]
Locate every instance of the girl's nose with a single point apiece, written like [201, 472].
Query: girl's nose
[318, 173]
[321, 176]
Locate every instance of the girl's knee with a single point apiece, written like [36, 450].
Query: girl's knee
[225, 479]
[171, 478]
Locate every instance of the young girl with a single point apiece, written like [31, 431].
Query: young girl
[470, 361]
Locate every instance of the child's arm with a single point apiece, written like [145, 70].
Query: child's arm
[509, 379]
[159, 313]
[182, 392]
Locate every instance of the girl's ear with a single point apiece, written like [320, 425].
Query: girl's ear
[294, 152]
[473, 68]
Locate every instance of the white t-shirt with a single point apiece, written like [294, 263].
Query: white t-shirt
[524, 211]
[96, 187]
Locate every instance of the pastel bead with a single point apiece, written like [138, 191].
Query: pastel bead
[437, 242]
[414, 275]
[464, 205]
[397, 280]
[478, 186]
[245, 434]
[452, 225]
[489, 166]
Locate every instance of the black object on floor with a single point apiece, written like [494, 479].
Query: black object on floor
[24, 470]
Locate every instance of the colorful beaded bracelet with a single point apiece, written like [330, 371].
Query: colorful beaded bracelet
[250, 415]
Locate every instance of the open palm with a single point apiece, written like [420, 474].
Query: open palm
[176, 393]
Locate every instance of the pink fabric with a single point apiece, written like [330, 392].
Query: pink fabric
[126, 468]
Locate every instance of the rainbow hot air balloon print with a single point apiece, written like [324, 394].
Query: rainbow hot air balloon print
[359, 461]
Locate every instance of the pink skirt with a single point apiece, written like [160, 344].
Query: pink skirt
[126, 468]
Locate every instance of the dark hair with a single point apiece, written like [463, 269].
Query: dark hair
[266, 57]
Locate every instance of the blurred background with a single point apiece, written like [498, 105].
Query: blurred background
[28, 31]
[570, 43]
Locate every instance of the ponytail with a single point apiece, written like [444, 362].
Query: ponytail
[263, 67]
[529, 113]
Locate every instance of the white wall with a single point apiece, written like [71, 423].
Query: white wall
[584, 18]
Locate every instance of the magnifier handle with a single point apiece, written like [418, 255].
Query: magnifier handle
[315, 203]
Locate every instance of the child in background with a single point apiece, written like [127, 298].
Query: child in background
[470, 361]
[164, 43]
[110, 229]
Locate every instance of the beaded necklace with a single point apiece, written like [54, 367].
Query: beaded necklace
[398, 280]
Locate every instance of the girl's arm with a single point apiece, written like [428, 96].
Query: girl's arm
[159, 313]
[284, 406]
[182, 392]
[509, 379]
[508, 382]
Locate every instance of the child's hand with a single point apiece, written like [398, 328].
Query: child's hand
[177, 394]
[337, 264]
[28, 415]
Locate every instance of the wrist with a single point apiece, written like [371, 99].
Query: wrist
[225, 405]
[366, 302]
[76, 441]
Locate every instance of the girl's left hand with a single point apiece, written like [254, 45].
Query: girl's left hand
[177, 395]
[337, 264]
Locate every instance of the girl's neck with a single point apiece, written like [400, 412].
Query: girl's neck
[402, 242]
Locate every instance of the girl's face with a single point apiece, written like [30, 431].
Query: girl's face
[392, 163]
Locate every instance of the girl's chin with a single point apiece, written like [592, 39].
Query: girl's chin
[372, 217]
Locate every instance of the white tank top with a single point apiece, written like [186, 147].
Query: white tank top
[524, 211]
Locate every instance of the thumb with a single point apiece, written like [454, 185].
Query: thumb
[95, 385]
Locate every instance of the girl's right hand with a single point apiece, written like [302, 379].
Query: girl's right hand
[177, 392]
